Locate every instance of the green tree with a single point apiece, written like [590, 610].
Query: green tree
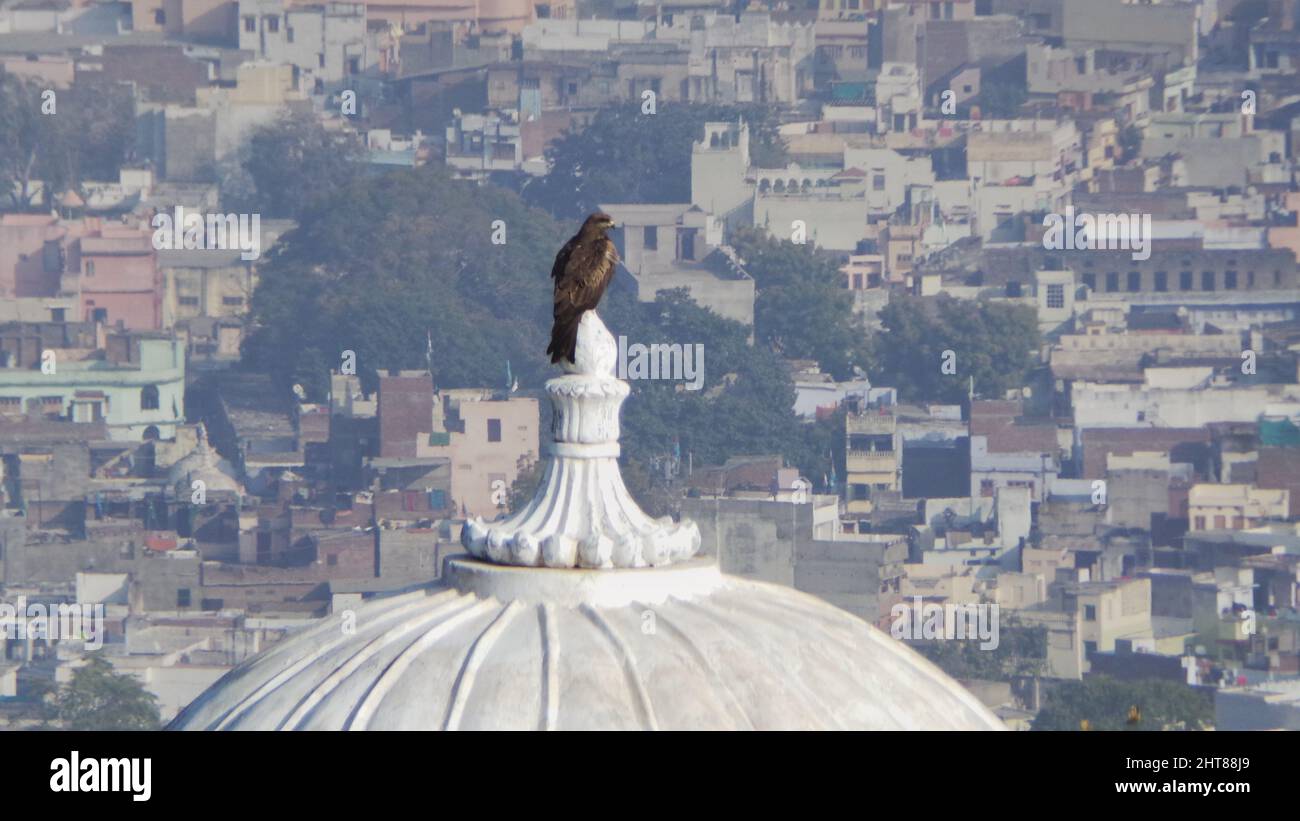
[1002, 99]
[524, 487]
[994, 343]
[1021, 650]
[25, 134]
[627, 156]
[99, 698]
[1130, 141]
[290, 165]
[1108, 704]
[800, 308]
[100, 128]
[745, 404]
[88, 135]
[388, 263]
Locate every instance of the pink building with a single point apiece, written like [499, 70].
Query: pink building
[118, 278]
[32, 254]
[484, 436]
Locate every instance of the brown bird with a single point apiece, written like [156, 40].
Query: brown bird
[582, 272]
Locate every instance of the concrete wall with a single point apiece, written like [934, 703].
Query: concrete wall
[774, 542]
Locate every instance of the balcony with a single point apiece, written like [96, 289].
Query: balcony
[871, 462]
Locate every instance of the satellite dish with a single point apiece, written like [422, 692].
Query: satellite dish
[299, 392]
[1026, 392]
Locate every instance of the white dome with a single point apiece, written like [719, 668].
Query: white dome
[676, 648]
[582, 612]
[204, 463]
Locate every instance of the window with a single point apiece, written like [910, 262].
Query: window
[1162, 281]
[354, 65]
[288, 33]
[58, 314]
[1229, 280]
[650, 238]
[494, 430]
[1056, 296]
[986, 487]
[159, 17]
[1090, 612]
[149, 397]
[1185, 280]
[1090, 281]
[1207, 280]
[183, 597]
[1112, 282]
[273, 24]
[250, 24]
[878, 182]
[189, 301]
[90, 268]
[232, 301]
[1134, 281]
[1089, 648]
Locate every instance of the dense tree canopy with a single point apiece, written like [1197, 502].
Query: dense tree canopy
[993, 343]
[627, 156]
[99, 698]
[384, 264]
[800, 306]
[745, 405]
[1021, 650]
[287, 167]
[1103, 703]
[78, 134]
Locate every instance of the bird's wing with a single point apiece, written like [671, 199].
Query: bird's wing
[586, 273]
[562, 258]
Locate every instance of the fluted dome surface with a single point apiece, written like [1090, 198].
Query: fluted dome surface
[682, 647]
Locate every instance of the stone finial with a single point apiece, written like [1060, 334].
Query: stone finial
[583, 515]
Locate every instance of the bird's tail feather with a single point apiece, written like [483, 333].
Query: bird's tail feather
[564, 338]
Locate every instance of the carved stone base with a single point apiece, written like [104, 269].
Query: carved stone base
[583, 515]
